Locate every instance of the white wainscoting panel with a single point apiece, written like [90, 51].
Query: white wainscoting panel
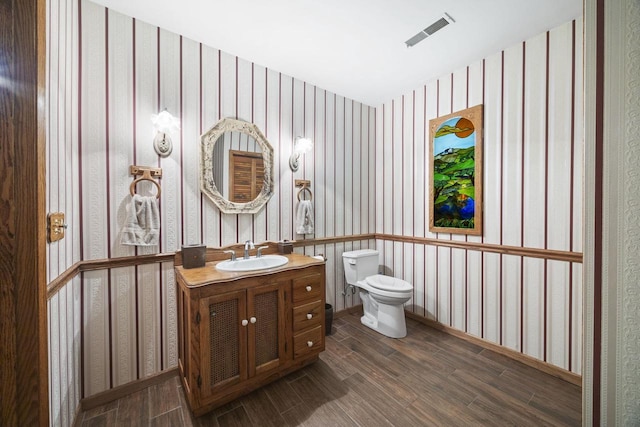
[63, 316]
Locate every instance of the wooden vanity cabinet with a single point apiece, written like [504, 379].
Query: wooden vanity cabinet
[238, 334]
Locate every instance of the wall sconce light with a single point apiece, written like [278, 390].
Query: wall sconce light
[165, 124]
[301, 146]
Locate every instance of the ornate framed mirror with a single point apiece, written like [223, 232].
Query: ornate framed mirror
[236, 166]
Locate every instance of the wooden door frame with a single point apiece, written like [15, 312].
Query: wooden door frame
[23, 281]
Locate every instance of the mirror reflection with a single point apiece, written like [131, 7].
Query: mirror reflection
[239, 167]
[236, 166]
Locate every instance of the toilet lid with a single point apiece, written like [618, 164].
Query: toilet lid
[387, 283]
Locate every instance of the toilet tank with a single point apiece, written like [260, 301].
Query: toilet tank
[360, 264]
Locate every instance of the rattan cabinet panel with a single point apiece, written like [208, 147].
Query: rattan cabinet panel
[267, 316]
[224, 361]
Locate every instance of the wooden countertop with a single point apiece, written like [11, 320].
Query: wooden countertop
[196, 277]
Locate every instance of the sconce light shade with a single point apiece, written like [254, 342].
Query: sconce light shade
[165, 124]
[301, 146]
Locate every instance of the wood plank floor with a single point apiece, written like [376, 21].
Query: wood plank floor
[363, 378]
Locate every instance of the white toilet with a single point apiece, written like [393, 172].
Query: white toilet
[383, 297]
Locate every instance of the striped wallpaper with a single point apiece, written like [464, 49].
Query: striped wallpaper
[63, 309]
[108, 73]
[131, 70]
[533, 160]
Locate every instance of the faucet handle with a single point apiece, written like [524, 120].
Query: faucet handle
[233, 254]
[260, 248]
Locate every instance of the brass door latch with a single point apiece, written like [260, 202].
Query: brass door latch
[55, 226]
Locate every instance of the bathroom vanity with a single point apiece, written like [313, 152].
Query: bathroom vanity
[238, 331]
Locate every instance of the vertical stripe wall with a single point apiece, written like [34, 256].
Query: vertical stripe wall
[131, 70]
[62, 111]
[533, 159]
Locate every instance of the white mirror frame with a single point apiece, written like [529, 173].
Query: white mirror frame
[208, 185]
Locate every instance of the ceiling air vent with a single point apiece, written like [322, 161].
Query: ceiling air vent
[438, 25]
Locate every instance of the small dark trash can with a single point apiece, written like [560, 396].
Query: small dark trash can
[328, 318]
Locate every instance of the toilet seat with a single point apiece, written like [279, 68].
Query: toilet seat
[388, 283]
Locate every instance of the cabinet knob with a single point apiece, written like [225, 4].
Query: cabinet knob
[253, 320]
[309, 316]
[309, 343]
[245, 322]
[308, 288]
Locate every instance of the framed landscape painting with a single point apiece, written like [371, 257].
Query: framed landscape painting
[455, 162]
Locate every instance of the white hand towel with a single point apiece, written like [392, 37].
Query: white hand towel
[304, 217]
[143, 222]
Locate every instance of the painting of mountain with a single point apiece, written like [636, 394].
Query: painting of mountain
[456, 171]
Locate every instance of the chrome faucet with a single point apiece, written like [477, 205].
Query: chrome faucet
[248, 245]
[233, 254]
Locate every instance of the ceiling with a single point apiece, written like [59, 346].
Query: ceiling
[355, 48]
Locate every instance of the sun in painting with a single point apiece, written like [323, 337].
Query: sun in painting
[464, 127]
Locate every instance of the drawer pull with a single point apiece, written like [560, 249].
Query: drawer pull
[308, 288]
[253, 320]
[245, 322]
[309, 316]
[309, 343]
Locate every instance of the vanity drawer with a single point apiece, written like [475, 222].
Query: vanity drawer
[308, 342]
[307, 288]
[307, 315]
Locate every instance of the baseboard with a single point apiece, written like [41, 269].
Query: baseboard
[545, 367]
[126, 389]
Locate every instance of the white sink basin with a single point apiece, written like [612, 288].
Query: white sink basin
[253, 263]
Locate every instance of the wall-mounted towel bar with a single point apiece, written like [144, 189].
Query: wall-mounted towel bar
[305, 186]
[146, 173]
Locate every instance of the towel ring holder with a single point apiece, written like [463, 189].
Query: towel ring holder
[307, 190]
[304, 186]
[146, 176]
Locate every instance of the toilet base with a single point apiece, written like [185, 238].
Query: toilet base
[389, 320]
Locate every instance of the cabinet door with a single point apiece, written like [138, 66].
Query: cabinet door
[223, 341]
[266, 311]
